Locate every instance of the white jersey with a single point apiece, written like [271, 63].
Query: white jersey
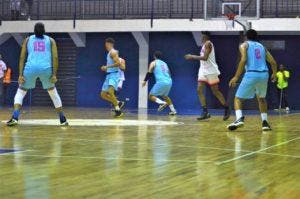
[2, 68]
[209, 66]
[121, 72]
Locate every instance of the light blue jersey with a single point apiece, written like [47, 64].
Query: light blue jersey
[39, 53]
[110, 61]
[256, 57]
[161, 72]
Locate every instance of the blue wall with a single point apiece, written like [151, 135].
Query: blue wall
[174, 46]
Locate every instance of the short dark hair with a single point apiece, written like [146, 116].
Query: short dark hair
[206, 33]
[39, 30]
[110, 40]
[157, 54]
[252, 35]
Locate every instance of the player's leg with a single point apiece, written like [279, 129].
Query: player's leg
[285, 100]
[114, 101]
[200, 90]
[261, 92]
[246, 90]
[170, 104]
[218, 94]
[30, 80]
[120, 86]
[56, 100]
[158, 90]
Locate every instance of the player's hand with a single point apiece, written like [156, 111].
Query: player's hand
[21, 80]
[188, 57]
[273, 78]
[144, 83]
[53, 79]
[233, 81]
[104, 68]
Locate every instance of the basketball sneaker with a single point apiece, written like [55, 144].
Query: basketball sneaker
[237, 124]
[266, 126]
[204, 116]
[12, 122]
[121, 104]
[173, 113]
[118, 114]
[63, 121]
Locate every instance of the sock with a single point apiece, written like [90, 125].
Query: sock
[172, 108]
[61, 115]
[117, 108]
[238, 114]
[264, 116]
[204, 108]
[159, 101]
[16, 114]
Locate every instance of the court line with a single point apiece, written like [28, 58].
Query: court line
[16, 152]
[258, 151]
[102, 158]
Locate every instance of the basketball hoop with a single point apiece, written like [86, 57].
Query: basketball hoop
[229, 21]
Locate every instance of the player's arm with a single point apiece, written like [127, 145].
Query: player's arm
[270, 59]
[149, 73]
[54, 60]
[23, 57]
[122, 64]
[241, 66]
[208, 48]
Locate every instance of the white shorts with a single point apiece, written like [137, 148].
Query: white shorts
[120, 85]
[211, 79]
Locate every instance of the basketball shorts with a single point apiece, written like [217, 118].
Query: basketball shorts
[120, 84]
[161, 89]
[211, 79]
[32, 75]
[252, 86]
[112, 79]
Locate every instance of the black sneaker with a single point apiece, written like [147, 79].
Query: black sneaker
[237, 124]
[121, 104]
[12, 122]
[63, 121]
[266, 126]
[226, 113]
[204, 116]
[118, 114]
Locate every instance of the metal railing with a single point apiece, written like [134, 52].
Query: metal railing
[130, 9]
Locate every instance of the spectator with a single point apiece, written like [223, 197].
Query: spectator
[29, 11]
[15, 6]
[2, 72]
[6, 83]
[282, 84]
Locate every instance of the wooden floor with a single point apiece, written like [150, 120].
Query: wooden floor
[190, 160]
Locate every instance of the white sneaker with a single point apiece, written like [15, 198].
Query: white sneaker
[173, 113]
[237, 124]
[162, 107]
[287, 110]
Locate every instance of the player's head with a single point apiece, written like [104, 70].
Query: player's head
[157, 55]
[252, 35]
[281, 67]
[109, 44]
[39, 30]
[205, 35]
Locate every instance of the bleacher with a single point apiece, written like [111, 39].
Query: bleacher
[136, 9]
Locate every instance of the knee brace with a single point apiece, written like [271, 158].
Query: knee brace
[55, 98]
[19, 96]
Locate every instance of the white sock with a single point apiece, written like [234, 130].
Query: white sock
[19, 96]
[238, 114]
[159, 101]
[172, 108]
[264, 116]
[117, 108]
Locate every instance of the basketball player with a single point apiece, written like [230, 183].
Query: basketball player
[39, 59]
[208, 74]
[255, 81]
[163, 83]
[111, 82]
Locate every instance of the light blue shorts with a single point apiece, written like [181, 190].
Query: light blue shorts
[161, 89]
[31, 76]
[252, 86]
[112, 79]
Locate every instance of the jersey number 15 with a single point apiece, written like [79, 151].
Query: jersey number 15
[39, 46]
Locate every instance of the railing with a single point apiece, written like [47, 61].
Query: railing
[131, 9]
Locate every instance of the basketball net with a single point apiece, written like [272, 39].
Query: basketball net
[229, 21]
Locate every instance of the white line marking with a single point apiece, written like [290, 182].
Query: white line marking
[101, 158]
[254, 152]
